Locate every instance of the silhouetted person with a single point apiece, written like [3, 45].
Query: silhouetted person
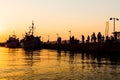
[99, 37]
[88, 38]
[107, 38]
[111, 38]
[115, 36]
[93, 37]
[59, 40]
[83, 38]
[103, 38]
[72, 40]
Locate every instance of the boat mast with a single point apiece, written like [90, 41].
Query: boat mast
[32, 28]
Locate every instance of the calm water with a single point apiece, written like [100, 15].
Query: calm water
[17, 64]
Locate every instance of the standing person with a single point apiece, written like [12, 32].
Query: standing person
[88, 38]
[83, 38]
[94, 37]
[99, 37]
[103, 38]
[91, 38]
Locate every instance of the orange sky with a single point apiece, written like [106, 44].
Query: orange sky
[57, 16]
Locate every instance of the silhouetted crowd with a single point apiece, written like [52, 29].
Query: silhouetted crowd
[93, 39]
[99, 38]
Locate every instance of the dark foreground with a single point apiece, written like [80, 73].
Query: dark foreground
[86, 47]
[99, 47]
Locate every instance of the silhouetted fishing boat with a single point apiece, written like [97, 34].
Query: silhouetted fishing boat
[31, 42]
[12, 42]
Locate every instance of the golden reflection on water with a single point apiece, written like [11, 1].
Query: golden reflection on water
[17, 64]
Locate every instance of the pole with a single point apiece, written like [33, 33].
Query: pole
[32, 28]
[114, 24]
[48, 38]
[70, 33]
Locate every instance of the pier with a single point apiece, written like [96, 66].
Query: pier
[86, 47]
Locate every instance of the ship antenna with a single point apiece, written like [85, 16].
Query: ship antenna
[32, 27]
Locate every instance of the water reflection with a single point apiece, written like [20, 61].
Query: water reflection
[95, 58]
[17, 64]
[91, 65]
[31, 57]
[59, 54]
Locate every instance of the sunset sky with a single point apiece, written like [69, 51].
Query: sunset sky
[57, 16]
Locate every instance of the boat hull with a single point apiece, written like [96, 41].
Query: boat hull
[12, 45]
[31, 45]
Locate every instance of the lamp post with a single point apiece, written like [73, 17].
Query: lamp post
[70, 33]
[57, 37]
[48, 38]
[70, 36]
[114, 22]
